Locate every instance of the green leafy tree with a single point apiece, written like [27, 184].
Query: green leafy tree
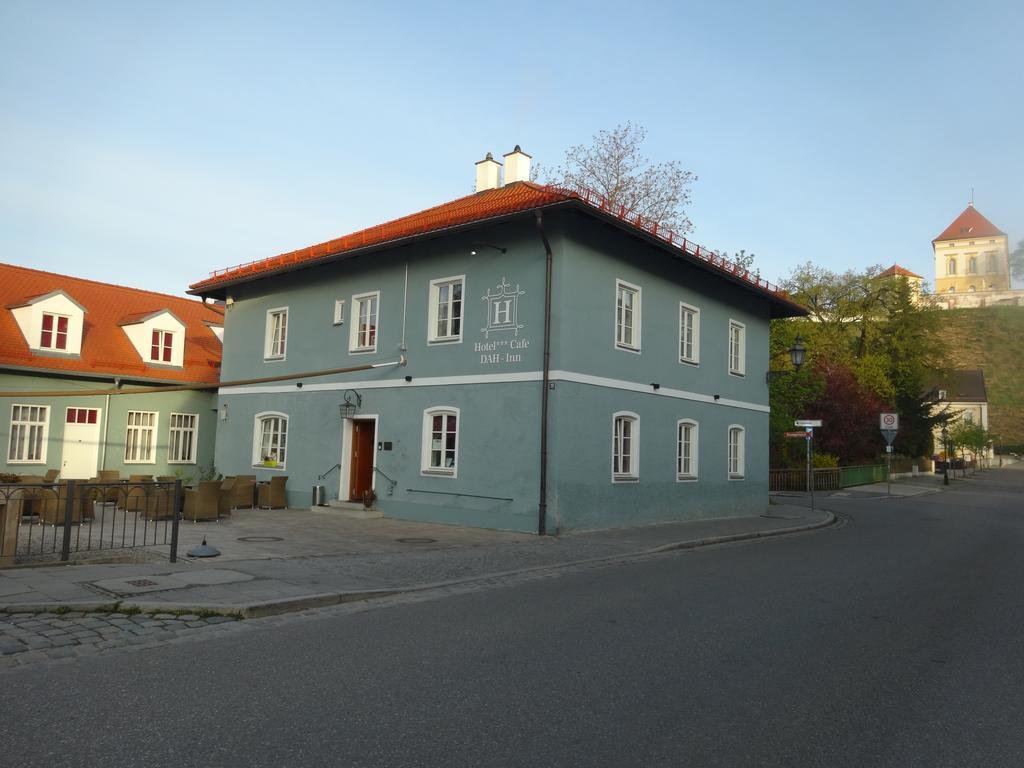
[875, 330]
[1017, 261]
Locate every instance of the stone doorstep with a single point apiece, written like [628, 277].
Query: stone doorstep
[353, 510]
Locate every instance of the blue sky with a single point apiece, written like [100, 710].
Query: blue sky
[147, 144]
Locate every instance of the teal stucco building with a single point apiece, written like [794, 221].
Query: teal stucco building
[82, 364]
[522, 358]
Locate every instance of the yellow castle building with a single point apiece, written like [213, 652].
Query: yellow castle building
[972, 254]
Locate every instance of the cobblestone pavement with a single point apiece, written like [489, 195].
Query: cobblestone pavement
[32, 637]
[40, 638]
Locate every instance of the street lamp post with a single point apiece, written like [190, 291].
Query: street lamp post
[797, 354]
[945, 451]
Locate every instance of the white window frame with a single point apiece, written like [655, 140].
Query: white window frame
[163, 337]
[353, 342]
[633, 345]
[57, 317]
[258, 458]
[27, 430]
[433, 337]
[740, 369]
[694, 430]
[633, 474]
[191, 432]
[735, 461]
[149, 457]
[339, 312]
[426, 452]
[280, 350]
[694, 357]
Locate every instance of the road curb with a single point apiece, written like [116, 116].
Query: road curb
[711, 540]
[327, 599]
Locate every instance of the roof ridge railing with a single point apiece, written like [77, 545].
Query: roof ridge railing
[602, 203]
[586, 195]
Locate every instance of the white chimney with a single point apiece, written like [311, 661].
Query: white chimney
[517, 166]
[487, 173]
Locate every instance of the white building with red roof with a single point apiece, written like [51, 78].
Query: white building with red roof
[77, 358]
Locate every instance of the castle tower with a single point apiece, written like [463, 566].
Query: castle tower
[971, 255]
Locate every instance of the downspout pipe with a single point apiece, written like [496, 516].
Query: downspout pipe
[542, 507]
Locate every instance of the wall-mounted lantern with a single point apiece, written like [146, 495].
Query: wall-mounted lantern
[353, 400]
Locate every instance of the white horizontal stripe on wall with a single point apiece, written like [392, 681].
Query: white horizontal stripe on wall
[495, 378]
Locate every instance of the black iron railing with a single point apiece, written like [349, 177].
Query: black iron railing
[76, 519]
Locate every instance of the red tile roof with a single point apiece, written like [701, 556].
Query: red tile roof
[106, 350]
[513, 198]
[896, 269]
[969, 224]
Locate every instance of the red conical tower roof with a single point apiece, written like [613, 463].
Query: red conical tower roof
[970, 223]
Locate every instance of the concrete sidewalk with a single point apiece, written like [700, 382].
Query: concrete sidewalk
[277, 562]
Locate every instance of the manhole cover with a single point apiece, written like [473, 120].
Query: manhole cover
[416, 541]
[141, 583]
[260, 538]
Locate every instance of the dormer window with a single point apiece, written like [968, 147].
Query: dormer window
[54, 334]
[161, 347]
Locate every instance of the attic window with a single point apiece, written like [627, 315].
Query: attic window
[55, 332]
[160, 348]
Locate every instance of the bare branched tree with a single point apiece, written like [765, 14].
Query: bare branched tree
[614, 166]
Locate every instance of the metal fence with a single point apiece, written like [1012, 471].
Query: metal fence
[74, 519]
[825, 479]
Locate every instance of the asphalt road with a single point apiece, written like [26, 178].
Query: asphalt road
[892, 640]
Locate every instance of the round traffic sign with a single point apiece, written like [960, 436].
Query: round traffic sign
[888, 419]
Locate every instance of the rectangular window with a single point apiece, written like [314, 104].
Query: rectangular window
[686, 450]
[181, 443]
[277, 334]
[627, 316]
[160, 346]
[82, 415]
[140, 441]
[339, 312]
[28, 434]
[441, 441]
[445, 321]
[689, 334]
[736, 453]
[625, 436]
[54, 333]
[737, 348]
[270, 441]
[364, 322]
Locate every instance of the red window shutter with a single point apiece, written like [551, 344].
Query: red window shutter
[46, 337]
[62, 333]
[154, 350]
[168, 342]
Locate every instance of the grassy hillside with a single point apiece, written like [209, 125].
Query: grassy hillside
[992, 338]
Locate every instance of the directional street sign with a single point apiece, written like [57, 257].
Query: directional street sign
[889, 421]
[807, 423]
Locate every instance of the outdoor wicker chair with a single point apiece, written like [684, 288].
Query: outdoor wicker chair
[158, 504]
[236, 493]
[52, 502]
[272, 494]
[203, 503]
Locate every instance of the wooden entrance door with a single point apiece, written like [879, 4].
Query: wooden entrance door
[361, 477]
